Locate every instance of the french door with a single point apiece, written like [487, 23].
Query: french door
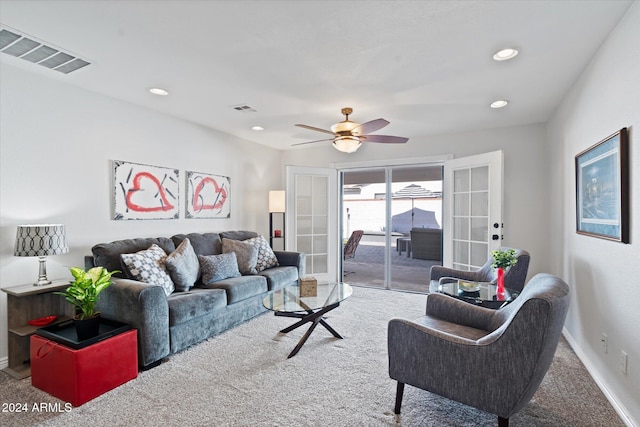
[472, 211]
[312, 219]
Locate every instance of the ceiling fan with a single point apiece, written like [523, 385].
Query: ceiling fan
[348, 135]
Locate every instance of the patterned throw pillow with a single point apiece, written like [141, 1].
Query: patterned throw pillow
[266, 257]
[218, 267]
[148, 266]
[246, 253]
[183, 266]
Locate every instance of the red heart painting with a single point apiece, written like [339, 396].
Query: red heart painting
[218, 195]
[149, 194]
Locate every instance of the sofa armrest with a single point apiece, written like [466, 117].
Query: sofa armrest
[293, 259]
[145, 308]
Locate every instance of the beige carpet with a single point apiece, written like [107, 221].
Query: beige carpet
[243, 378]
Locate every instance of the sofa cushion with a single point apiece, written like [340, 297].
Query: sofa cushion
[183, 266]
[279, 277]
[246, 253]
[107, 255]
[238, 235]
[203, 243]
[218, 267]
[266, 257]
[240, 288]
[184, 306]
[148, 266]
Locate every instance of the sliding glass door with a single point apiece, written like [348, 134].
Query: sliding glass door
[398, 212]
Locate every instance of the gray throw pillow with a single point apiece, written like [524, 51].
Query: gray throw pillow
[266, 257]
[148, 266]
[246, 253]
[218, 267]
[183, 266]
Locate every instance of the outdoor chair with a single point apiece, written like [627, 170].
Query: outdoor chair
[426, 243]
[492, 360]
[514, 277]
[352, 244]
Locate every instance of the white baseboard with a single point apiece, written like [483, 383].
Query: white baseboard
[600, 382]
[4, 362]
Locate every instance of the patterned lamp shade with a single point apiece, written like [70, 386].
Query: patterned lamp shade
[41, 241]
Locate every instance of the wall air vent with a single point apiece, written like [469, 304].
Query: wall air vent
[28, 48]
[244, 107]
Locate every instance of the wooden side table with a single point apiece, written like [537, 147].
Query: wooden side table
[24, 303]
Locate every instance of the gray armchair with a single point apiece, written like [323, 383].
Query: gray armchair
[493, 360]
[514, 277]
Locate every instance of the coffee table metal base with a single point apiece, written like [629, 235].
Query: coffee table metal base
[315, 317]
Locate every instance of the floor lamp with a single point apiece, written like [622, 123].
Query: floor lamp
[276, 219]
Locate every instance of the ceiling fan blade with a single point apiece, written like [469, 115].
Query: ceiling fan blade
[316, 129]
[385, 139]
[371, 126]
[311, 142]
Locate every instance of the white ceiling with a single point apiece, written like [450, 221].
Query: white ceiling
[423, 65]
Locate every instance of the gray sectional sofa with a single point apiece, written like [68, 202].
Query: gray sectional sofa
[170, 323]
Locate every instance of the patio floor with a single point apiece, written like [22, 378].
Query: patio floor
[367, 267]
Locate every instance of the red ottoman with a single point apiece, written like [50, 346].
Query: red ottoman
[77, 376]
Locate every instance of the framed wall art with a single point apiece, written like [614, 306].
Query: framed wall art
[144, 191]
[602, 189]
[207, 195]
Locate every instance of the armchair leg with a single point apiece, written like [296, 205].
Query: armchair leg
[399, 392]
[503, 422]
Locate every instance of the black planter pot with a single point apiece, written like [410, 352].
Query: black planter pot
[87, 328]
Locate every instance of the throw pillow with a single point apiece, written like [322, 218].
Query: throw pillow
[148, 266]
[218, 267]
[183, 266]
[246, 253]
[266, 257]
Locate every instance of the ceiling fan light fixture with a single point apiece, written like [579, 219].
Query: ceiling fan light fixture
[347, 144]
[344, 126]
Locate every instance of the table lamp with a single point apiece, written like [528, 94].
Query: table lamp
[41, 240]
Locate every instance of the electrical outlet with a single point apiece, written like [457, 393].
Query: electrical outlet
[623, 362]
[604, 342]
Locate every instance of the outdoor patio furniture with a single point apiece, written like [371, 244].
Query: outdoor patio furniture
[514, 277]
[426, 243]
[352, 244]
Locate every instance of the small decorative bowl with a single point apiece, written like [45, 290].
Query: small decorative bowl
[42, 321]
[468, 286]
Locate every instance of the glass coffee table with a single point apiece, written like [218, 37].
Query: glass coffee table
[287, 302]
[478, 293]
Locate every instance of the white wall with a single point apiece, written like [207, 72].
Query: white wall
[57, 143]
[526, 204]
[604, 275]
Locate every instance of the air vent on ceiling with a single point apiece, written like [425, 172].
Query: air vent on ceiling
[15, 44]
[244, 107]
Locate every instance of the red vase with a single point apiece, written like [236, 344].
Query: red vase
[500, 290]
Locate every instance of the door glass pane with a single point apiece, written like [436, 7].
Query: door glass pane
[478, 254]
[480, 179]
[461, 180]
[461, 228]
[480, 204]
[461, 204]
[479, 230]
[461, 252]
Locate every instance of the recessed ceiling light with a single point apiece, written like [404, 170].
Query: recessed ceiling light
[504, 54]
[158, 91]
[499, 104]
[257, 128]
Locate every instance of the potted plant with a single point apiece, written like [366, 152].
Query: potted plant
[503, 259]
[83, 294]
